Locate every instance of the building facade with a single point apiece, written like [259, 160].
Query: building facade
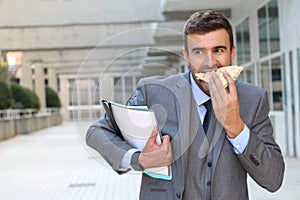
[266, 35]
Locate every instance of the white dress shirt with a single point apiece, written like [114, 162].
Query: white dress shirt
[240, 142]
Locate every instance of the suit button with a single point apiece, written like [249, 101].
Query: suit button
[178, 195]
[209, 164]
[208, 183]
[253, 159]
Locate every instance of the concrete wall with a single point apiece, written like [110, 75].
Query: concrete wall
[11, 128]
[7, 129]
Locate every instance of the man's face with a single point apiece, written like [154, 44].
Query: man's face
[207, 52]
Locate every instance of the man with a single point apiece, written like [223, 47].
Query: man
[206, 163]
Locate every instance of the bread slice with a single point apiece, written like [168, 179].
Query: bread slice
[234, 72]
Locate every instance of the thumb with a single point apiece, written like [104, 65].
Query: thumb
[153, 136]
[166, 139]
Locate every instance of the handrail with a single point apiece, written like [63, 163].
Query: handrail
[11, 114]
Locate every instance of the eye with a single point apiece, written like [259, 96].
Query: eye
[219, 50]
[198, 51]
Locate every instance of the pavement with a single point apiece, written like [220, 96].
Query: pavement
[55, 164]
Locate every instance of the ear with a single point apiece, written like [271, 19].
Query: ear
[186, 56]
[233, 52]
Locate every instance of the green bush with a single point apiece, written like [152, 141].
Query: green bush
[35, 99]
[5, 96]
[52, 99]
[24, 97]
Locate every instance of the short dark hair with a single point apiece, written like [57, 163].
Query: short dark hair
[207, 21]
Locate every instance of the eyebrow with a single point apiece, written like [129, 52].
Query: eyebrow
[201, 49]
[220, 47]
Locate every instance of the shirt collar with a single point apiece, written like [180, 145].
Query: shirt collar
[199, 96]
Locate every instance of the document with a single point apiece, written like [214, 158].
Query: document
[135, 125]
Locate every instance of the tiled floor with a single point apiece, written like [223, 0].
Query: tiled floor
[55, 164]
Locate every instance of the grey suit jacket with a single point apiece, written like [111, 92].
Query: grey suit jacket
[172, 99]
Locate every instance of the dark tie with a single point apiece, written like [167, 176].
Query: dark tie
[208, 107]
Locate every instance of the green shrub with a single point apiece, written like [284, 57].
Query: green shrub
[24, 97]
[35, 99]
[52, 99]
[5, 96]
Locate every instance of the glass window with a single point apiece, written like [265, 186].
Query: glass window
[271, 80]
[239, 44]
[249, 75]
[265, 76]
[263, 35]
[243, 42]
[268, 27]
[277, 83]
[274, 26]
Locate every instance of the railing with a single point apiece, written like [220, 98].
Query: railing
[11, 114]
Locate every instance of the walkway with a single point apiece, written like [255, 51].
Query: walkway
[54, 164]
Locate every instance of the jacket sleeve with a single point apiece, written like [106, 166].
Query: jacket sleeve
[262, 158]
[102, 137]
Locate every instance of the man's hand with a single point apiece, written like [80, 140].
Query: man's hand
[226, 105]
[154, 154]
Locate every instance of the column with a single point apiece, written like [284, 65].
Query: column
[64, 97]
[40, 84]
[90, 88]
[106, 90]
[52, 79]
[26, 75]
[106, 87]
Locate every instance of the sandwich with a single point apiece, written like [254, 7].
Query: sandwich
[233, 71]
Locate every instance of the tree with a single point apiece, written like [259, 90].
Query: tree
[52, 99]
[24, 97]
[5, 96]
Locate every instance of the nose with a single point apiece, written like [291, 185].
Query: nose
[210, 61]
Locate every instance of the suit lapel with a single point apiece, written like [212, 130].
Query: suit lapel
[187, 114]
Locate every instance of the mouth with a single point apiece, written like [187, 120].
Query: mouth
[205, 69]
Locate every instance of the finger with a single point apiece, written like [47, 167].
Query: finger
[216, 89]
[152, 138]
[231, 83]
[167, 144]
[217, 80]
[166, 139]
